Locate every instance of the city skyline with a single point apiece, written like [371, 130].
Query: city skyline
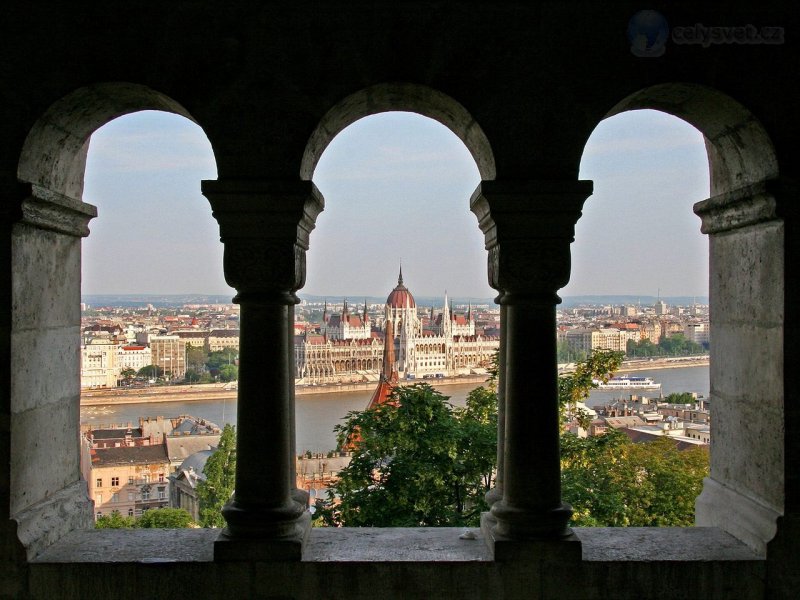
[416, 177]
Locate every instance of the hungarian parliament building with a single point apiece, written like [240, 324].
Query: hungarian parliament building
[349, 347]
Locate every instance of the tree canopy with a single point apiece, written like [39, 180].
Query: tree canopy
[165, 518]
[151, 371]
[612, 482]
[161, 518]
[418, 461]
[220, 478]
[674, 345]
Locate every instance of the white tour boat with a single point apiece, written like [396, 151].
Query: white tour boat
[627, 382]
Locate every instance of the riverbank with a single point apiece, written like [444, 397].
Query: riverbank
[664, 363]
[649, 364]
[216, 391]
[213, 391]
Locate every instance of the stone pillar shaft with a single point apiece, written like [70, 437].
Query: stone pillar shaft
[263, 412]
[531, 449]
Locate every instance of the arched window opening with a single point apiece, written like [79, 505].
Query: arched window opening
[156, 319]
[639, 287]
[398, 236]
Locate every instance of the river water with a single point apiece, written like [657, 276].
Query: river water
[317, 414]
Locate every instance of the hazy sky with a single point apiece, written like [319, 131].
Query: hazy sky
[396, 187]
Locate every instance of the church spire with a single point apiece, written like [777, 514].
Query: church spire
[400, 277]
[366, 316]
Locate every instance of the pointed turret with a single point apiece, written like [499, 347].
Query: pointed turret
[389, 376]
[366, 316]
[400, 277]
[325, 312]
[344, 310]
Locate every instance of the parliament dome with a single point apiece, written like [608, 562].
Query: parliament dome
[400, 297]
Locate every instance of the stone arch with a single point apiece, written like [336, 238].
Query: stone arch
[739, 149]
[54, 153]
[747, 277]
[46, 267]
[409, 97]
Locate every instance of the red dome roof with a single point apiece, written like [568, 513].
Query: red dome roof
[400, 297]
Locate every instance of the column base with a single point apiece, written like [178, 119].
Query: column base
[522, 524]
[744, 518]
[492, 496]
[287, 548]
[504, 549]
[46, 522]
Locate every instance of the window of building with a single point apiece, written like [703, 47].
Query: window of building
[114, 481]
[115, 497]
[98, 482]
[131, 496]
[98, 498]
[130, 480]
[161, 478]
[145, 494]
[162, 493]
[130, 512]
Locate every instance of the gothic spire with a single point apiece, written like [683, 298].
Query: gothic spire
[400, 277]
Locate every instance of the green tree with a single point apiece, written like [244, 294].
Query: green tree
[192, 376]
[218, 358]
[680, 398]
[220, 478]
[228, 373]
[151, 371]
[114, 521]
[612, 482]
[165, 518]
[417, 461]
[196, 358]
[127, 374]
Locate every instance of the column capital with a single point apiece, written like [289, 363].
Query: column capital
[265, 227]
[760, 202]
[528, 227]
[45, 209]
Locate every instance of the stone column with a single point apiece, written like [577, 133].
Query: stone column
[43, 479]
[264, 226]
[529, 226]
[754, 318]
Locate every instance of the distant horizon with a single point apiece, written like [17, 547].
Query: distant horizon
[355, 299]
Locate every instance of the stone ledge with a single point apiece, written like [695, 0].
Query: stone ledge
[661, 544]
[377, 545]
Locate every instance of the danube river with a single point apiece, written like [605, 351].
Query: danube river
[317, 414]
